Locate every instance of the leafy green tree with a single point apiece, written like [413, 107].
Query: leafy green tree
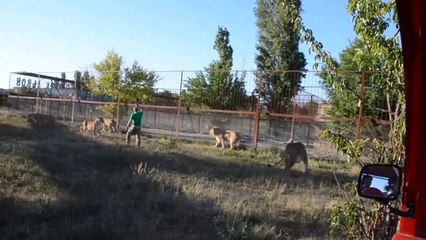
[135, 86]
[278, 52]
[371, 20]
[138, 84]
[165, 98]
[196, 89]
[85, 81]
[108, 82]
[110, 75]
[77, 79]
[345, 100]
[218, 87]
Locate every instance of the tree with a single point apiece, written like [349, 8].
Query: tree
[138, 84]
[345, 100]
[85, 81]
[62, 83]
[165, 98]
[196, 89]
[311, 108]
[77, 79]
[278, 52]
[218, 87]
[110, 73]
[371, 20]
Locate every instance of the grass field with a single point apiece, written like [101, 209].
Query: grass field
[58, 184]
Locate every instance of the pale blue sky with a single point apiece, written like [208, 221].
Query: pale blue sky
[57, 35]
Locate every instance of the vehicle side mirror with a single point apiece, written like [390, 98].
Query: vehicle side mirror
[381, 182]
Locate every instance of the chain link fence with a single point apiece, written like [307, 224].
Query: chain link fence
[262, 114]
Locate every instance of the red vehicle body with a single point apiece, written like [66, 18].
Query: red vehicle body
[412, 19]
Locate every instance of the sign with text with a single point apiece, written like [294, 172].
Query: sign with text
[32, 84]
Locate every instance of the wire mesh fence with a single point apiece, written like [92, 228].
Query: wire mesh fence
[266, 108]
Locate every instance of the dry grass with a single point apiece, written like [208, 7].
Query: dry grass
[58, 184]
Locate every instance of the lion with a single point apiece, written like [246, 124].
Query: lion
[294, 152]
[109, 125]
[92, 126]
[222, 135]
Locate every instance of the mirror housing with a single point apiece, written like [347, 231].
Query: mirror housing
[381, 182]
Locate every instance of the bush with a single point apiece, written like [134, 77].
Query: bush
[110, 111]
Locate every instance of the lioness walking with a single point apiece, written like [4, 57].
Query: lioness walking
[109, 125]
[221, 135]
[295, 152]
[94, 126]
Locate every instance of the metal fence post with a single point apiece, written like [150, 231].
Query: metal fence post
[117, 124]
[311, 113]
[73, 100]
[177, 122]
[37, 95]
[361, 107]
[63, 113]
[8, 94]
[293, 113]
[201, 98]
[257, 118]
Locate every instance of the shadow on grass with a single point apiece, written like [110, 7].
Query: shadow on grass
[101, 198]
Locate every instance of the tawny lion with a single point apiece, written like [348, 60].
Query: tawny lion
[109, 125]
[94, 126]
[295, 152]
[222, 135]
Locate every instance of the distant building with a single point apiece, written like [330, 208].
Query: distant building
[323, 109]
[3, 91]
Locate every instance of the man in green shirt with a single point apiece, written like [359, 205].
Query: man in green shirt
[134, 126]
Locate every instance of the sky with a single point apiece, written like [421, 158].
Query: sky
[53, 36]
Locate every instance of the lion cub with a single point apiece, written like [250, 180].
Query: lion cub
[109, 125]
[94, 126]
[222, 135]
[295, 152]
